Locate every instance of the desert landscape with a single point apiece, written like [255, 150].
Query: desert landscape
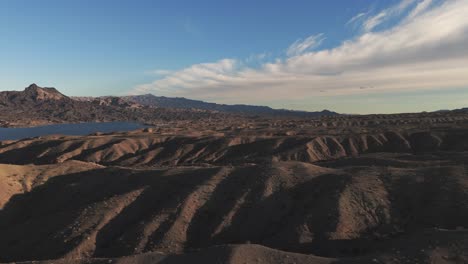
[234, 132]
[236, 188]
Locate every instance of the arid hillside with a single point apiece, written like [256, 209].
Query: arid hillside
[393, 189]
[140, 149]
[335, 210]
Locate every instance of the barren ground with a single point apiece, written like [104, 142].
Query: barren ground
[368, 189]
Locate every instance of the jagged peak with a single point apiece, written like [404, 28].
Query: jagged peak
[33, 86]
[40, 93]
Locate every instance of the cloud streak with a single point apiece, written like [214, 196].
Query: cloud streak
[427, 49]
[301, 46]
[420, 8]
[356, 18]
[387, 14]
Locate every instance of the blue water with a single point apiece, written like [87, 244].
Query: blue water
[77, 129]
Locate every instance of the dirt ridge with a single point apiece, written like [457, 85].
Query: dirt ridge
[160, 150]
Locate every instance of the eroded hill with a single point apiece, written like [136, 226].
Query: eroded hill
[336, 210]
[393, 189]
[156, 149]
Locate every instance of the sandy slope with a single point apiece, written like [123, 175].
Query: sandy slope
[16, 179]
[156, 149]
[241, 193]
[352, 213]
[234, 254]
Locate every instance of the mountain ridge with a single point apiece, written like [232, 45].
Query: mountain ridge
[150, 99]
[186, 103]
[39, 106]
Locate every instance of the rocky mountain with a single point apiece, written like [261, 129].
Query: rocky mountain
[36, 106]
[184, 103]
[31, 95]
[108, 101]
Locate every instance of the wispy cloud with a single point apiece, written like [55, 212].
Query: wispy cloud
[420, 8]
[190, 78]
[427, 49]
[394, 11]
[160, 72]
[374, 21]
[255, 59]
[303, 45]
[356, 18]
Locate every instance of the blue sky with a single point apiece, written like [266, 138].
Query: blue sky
[294, 54]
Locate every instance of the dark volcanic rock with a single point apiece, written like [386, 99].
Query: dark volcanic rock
[36, 105]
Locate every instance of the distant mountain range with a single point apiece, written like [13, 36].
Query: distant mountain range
[184, 103]
[465, 109]
[36, 106]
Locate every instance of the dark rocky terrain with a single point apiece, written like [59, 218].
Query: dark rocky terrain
[38, 106]
[184, 103]
[344, 189]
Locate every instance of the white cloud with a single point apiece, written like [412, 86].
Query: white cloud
[428, 49]
[257, 58]
[374, 21]
[389, 13]
[356, 18]
[301, 46]
[420, 8]
[190, 78]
